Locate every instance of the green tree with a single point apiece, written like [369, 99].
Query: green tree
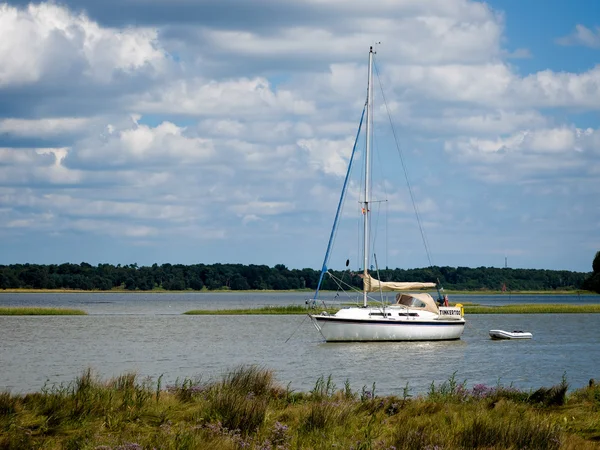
[593, 282]
[130, 284]
[596, 263]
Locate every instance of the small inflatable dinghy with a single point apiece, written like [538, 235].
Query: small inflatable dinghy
[501, 334]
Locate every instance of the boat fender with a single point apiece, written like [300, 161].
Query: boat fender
[462, 309]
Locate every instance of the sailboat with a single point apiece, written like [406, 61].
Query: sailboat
[413, 316]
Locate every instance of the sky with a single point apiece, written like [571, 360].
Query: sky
[219, 131]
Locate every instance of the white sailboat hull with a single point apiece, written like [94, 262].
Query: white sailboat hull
[347, 329]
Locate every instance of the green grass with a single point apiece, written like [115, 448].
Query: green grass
[290, 309]
[247, 409]
[509, 293]
[470, 308]
[533, 309]
[35, 311]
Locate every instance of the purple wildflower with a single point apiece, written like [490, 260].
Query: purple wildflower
[280, 434]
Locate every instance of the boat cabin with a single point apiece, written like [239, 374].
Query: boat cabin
[423, 302]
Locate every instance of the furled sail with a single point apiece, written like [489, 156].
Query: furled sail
[372, 285]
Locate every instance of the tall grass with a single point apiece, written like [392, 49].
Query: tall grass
[246, 409]
[39, 311]
[240, 400]
[289, 309]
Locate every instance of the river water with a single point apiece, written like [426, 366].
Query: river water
[146, 333]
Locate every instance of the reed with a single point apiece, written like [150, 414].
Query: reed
[246, 408]
[533, 309]
[480, 292]
[39, 311]
[265, 310]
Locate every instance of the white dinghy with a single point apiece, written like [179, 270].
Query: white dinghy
[501, 334]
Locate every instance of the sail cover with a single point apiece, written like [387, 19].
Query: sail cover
[372, 285]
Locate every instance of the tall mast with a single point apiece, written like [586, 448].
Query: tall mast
[367, 190]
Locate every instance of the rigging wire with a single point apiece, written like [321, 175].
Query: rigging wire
[339, 208]
[386, 234]
[339, 282]
[384, 187]
[410, 190]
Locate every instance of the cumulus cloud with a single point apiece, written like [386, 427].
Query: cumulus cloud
[582, 36]
[497, 85]
[562, 152]
[207, 117]
[330, 157]
[40, 166]
[47, 42]
[43, 127]
[419, 37]
[214, 98]
[140, 145]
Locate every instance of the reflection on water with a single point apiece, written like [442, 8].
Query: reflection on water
[148, 334]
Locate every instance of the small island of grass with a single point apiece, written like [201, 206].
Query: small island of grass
[39, 311]
[470, 308]
[265, 310]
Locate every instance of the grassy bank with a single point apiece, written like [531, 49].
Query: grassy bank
[508, 294]
[469, 309]
[533, 309]
[290, 309]
[35, 311]
[247, 409]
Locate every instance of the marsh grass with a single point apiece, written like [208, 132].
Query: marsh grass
[246, 409]
[37, 311]
[533, 309]
[470, 308]
[480, 292]
[265, 310]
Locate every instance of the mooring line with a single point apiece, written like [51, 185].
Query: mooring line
[297, 328]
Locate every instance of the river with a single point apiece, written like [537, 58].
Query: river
[147, 333]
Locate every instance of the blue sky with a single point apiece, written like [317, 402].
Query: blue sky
[220, 130]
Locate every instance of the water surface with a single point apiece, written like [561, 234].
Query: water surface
[146, 333]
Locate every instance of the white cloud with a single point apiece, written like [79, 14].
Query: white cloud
[259, 208]
[22, 166]
[330, 157]
[427, 32]
[479, 121]
[166, 145]
[43, 127]
[112, 228]
[48, 41]
[249, 97]
[497, 85]
[582, 36]
[544, 141]
[562, 152]
[145, 133]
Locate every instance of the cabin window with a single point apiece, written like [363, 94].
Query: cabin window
[411, 302]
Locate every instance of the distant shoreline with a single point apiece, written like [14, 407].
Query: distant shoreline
[272, 291]
[39, 311]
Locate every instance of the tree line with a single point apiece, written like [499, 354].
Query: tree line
[592, 283]
[176, 277]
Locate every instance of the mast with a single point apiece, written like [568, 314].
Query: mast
[367, 187]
